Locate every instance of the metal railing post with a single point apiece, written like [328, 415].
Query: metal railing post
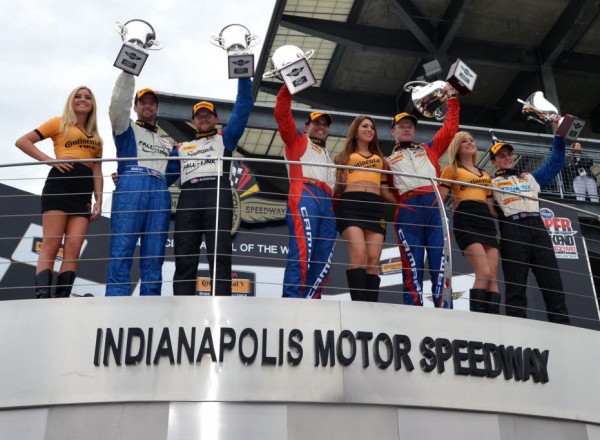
[213, 289]
[447, 256]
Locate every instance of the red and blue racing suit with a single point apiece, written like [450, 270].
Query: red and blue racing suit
[310, 217]
[418, 222]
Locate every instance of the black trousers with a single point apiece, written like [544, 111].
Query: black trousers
[196, 216]
[525, 244]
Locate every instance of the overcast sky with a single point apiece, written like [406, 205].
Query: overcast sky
[51, 47]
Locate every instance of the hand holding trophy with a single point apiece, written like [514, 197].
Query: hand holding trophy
[290, 64]
[237, 41]
[138, 37]
[430, 98]
[537, 108]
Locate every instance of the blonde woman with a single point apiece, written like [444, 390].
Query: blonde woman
[66, 198]
[474, 226]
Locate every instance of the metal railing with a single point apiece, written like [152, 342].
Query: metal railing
[259, 250]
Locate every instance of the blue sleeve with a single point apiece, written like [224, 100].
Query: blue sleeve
[173, 168]
[239, 116]
[548, 171]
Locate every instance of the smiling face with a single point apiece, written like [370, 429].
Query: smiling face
[404, 131]
[504, 159]
[467, 148]
[318, 129]
[146, 108]
[83, 102]
[365, 132]
[204, 120]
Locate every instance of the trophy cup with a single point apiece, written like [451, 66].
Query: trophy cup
[430, 98]
[237, 40]
[290, 64]
[537, 108]
[138, 37]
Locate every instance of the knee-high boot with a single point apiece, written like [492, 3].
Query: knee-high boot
[357, 282]
[64, 284]
[43, 284]
[478, 300]
[493, 302]
[372, 290]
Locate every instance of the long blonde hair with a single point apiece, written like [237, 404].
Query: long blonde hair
[69, 119]
[351, 142]
[453, 157]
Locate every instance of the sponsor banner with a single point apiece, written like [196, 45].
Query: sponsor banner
[561, 233]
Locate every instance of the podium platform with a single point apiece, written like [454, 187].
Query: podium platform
[166, 368]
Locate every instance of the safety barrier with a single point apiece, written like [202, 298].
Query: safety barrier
[260, 248]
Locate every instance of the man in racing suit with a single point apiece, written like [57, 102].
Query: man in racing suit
[200, 204]
[310, 217]
[141, 201]
[418, 222]
[525, 242]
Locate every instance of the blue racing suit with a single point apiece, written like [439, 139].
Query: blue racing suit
[418, 221]
[309, 216]
[141, 206]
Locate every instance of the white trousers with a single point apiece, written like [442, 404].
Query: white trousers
[583, 185]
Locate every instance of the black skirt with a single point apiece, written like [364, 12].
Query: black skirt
[473, 223]
[70, 192]
[362, 209]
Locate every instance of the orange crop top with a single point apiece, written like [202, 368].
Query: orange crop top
[373, 162]
[74, 143]
[462, 192]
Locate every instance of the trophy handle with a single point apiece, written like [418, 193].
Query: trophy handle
[120, 29]
[309, 53]
[439, 115]
[252, 40]
[154, 43]
[217, 41]
[409, 86]
[270, 74]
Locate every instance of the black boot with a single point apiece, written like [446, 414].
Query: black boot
[357, 282]
[64, 284]
[372, 290]
[493, 303]
[478, 300]
[43, 284]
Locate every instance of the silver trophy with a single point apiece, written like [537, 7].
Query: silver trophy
[290, 64]
[428, 98]
[237, 41]
[537, 108]
[138, 37]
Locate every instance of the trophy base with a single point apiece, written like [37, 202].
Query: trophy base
[241, 66]
[297, 76]
[131, 59]
[461, 77]
[570, 127]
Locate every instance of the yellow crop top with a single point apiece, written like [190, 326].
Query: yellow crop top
[373, 162]
[75, 143]
[462, 192]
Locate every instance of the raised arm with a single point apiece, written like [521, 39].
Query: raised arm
[283, 116]
[548, 171]
[441, 140]
[239, 116]
[121, 103]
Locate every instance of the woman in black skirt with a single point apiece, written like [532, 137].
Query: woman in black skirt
[474, 225]
[359, 211]
[66, 198]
